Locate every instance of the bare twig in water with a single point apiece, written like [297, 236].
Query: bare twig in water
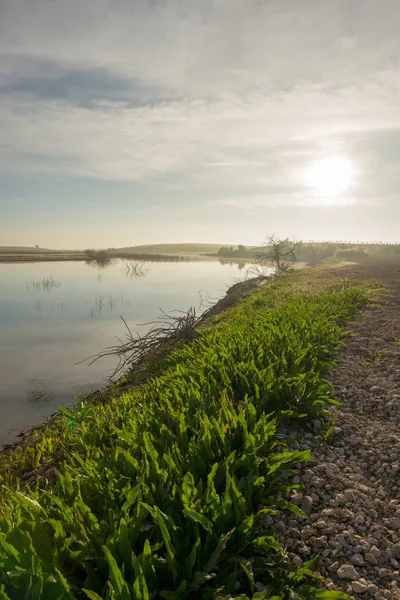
[164, 335]
[40, 393]
[207, 301]
[136, 268]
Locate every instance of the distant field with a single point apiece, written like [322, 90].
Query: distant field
[27, 255]
[156, 251]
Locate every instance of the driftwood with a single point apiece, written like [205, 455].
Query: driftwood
[169, 330]
[164, 335]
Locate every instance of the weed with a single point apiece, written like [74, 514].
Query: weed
[161, 492]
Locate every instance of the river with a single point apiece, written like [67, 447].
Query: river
[55, 314]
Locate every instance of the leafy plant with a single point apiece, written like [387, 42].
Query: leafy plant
[163, 491]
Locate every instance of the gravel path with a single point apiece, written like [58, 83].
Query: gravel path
[352, 488]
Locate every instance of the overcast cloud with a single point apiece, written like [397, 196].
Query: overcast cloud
[195, 121]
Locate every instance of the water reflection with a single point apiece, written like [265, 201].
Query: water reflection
[135, 268]
[100, 263]
[40, 392]
[44, 335]
[40, 306]
[106, 303]
[47, 284]
[239, 263]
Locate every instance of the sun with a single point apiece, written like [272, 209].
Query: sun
[331, 176]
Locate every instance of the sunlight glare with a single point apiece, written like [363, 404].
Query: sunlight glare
[330, 176]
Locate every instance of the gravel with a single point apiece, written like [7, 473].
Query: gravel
[351, 489]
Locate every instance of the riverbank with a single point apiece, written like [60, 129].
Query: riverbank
[188, 455]
[8, 257]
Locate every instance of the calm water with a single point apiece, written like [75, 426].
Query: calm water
[53, 315]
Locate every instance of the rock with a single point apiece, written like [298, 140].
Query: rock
[307, 504]
[317, 482]
[371, 559]
[382, 573]
[347, 572]
[357, 560]
[317, 425]
[365, 546]
[372, 589]
[349, 496]
[297, 499]
[395, 523]
[320, 542]
[360, 520]
[359, 587]
[280, 527]
[333, 567]
[340, 499]
[375, 551]
[396, 550]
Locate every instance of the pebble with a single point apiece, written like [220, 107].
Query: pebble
[307, 504]
[359, 587]
[357, 560]
[348, 572]
[371, 559]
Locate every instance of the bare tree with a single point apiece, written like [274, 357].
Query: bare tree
[281, 252]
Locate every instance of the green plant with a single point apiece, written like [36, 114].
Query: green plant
[162, 492]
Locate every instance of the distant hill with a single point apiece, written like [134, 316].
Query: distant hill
[189, 248]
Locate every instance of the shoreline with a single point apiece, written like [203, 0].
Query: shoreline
[310, 300]
[234, 294]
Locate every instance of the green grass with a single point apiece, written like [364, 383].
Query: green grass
[162, 491]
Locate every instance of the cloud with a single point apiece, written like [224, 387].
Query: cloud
[223, 99]
[254, 138]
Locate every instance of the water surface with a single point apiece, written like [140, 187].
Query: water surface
[54, 314]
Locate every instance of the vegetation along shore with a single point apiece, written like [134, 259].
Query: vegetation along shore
[221, 470]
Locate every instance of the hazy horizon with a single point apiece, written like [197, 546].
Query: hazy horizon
[127, 123]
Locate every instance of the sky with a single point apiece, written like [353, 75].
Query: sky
[127, 122]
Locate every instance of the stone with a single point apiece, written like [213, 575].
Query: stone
[360, 520]
[359, 587]
[375, 388]
[333, 567]
[375, 551]
[395, 523]
[371, 559]
[297, 499]
[280, 527]
[357, 560]
[372, 589]
[307, 504]
[340, 499]
[347, 572]
[317, 482]
[297, 560]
